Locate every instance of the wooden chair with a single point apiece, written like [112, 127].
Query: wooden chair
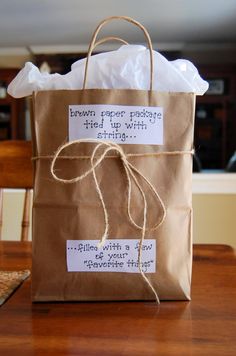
[16, 171]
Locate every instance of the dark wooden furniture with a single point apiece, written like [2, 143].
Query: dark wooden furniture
[12, 111]
[215, 128]
[16, 171]
[204, 326]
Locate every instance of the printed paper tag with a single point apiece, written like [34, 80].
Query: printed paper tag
[117, 255]
[117, 123]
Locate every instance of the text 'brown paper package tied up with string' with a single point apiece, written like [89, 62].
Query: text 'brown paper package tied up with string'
[112, 211]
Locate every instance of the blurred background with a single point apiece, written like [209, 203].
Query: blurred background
[54, 33]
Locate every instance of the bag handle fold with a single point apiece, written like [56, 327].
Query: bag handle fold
[95, 34]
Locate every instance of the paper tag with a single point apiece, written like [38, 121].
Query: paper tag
[117, 123]
[117, 255]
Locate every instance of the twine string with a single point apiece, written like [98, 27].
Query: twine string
[132, 174]
[129, 168]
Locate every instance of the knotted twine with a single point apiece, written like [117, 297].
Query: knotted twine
[131, 174]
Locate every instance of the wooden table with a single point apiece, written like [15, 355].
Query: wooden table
[204, 326]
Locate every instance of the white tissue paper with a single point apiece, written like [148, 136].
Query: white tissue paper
[126, 68]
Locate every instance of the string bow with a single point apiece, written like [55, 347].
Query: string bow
[99, 153]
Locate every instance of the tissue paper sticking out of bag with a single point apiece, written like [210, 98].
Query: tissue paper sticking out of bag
[126, 68]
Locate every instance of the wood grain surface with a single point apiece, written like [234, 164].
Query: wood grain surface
[204, 326]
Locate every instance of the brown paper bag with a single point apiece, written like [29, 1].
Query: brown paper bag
[63, 212]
